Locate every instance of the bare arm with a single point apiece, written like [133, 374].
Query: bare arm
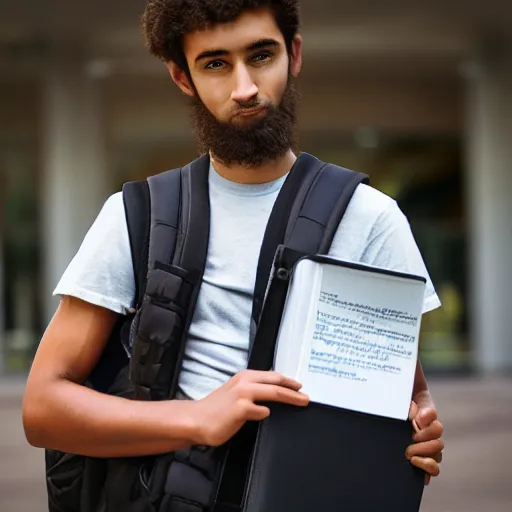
[60, 413]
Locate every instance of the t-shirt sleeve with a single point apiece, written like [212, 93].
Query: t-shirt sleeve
[392, 246]
[101, 272]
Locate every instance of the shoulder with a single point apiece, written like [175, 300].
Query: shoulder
[370, 203]
[114, 203]
[101, 271]
[369, 213]
[111, 219]
[371, 207]
[376, 232]
[110, 224]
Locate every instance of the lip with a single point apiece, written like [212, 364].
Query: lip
[246, 112]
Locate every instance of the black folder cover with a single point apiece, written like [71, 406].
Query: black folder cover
[327, 459]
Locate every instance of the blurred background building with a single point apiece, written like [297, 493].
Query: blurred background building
[418, 95]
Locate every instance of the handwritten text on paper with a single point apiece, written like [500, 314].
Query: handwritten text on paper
[351, 337]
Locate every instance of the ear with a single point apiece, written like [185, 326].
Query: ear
[180, 78]
[296, 56]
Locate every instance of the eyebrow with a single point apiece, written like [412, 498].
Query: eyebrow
[262, 43]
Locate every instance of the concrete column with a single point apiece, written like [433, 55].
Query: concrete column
[74, 164]
[489, 187]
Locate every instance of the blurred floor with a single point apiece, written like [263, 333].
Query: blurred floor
[476, 471]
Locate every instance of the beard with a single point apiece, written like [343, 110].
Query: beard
[255, 142]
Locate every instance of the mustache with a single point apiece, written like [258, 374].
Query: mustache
[249, 103]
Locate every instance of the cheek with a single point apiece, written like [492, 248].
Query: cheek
[273, 83]
[214, 96]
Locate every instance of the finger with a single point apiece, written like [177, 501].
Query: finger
[427, 479]
[433, 431]
[438, 457]
[413, 410]
[271, 393]
[426, 449]
[425, 417]
[258, 413]
[426, 464]
[275, 378]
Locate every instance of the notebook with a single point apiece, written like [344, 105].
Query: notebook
[349, 333]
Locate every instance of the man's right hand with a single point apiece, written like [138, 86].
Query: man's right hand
[222, 414]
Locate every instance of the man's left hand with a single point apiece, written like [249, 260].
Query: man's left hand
[426, 452]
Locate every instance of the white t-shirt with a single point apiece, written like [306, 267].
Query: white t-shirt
[373, 231]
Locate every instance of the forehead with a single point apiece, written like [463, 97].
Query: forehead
[235, 35]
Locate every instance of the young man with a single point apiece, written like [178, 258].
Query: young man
[237, 62]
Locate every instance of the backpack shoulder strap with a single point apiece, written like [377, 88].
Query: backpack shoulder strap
[179, 217]
[287, 206]
[137, 211]
[305, 216]
[169, 276]
[315, 213]
[312, 230]
[179, 239]
[166, 198]
[152, 209]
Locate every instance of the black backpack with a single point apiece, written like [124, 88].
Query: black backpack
[168, 219]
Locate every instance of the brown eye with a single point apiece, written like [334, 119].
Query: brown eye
[261, 57]
[214, 64]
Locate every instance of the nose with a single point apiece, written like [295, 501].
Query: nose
[244, 87]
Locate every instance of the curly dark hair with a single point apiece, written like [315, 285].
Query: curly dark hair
[165, 22]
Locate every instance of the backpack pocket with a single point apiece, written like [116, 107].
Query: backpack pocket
[157, 332]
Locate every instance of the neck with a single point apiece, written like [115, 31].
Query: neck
[269, 171]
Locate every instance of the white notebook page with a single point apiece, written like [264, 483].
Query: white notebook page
[359, 340]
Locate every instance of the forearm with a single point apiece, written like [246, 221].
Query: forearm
[71, 418]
